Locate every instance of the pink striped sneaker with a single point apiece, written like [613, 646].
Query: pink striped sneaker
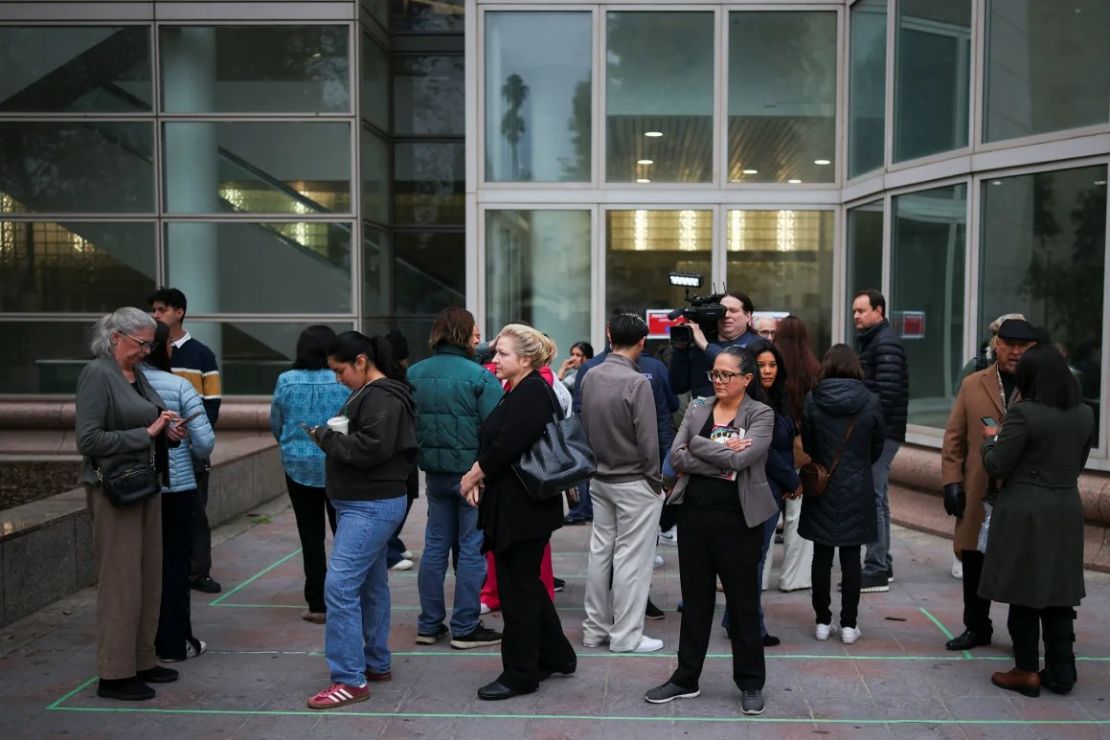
[337, 695]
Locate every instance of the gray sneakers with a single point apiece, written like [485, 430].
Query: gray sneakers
[751, 701]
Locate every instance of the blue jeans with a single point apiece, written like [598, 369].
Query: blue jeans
[878, 559]
[584, 509]
[356, 590]
[452, 523]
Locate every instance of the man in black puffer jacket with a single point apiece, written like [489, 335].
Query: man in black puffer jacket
[885, 372]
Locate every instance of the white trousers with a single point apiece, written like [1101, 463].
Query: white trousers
[798, 559]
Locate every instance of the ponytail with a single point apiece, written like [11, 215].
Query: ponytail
[348, 346]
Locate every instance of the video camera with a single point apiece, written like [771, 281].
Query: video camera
[705, 311]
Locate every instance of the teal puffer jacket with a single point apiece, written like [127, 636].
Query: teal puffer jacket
[454, 395]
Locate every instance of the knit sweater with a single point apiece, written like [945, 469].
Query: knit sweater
[192, 360]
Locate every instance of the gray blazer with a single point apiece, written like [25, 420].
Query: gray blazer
[692, 455]
[112, 418]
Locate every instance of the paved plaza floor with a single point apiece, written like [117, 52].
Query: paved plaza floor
[264, 662]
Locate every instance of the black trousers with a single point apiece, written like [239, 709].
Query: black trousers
[977, 610]
[202, 534]
[533, 639]
[1025, 625]
[719, 543]
[309, 506]
[821, 575]
[174, 624]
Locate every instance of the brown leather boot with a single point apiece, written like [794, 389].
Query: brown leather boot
[1023, 682]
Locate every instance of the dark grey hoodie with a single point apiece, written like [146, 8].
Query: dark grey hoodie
[375, 458]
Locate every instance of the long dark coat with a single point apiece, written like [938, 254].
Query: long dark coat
[1035, 541]
[845, 515]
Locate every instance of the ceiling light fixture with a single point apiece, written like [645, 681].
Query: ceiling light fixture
[645, 161]
[750, 172]
[642, 180]
[794, 181]
[653, 134]
[822, 162]
[996, 182]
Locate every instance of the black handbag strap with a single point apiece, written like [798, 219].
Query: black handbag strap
[843, 443]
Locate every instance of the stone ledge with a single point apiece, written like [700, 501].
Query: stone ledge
[56, 531]
[61, 415]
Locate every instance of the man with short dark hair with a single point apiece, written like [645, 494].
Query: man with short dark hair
[885, 372]
[193, 360]
[618, 414]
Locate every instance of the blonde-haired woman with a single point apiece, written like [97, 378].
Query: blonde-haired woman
[518, 528]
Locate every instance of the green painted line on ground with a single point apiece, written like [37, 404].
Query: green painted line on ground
[252, 579]
[580, 717]
[66, 697]
[944, 630]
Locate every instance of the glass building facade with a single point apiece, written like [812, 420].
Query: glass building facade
[364, 164]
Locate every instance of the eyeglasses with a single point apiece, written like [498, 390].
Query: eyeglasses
[767, 333]
[144, 345]
[721, 376]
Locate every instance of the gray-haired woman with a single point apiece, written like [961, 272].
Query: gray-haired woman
[121, 419]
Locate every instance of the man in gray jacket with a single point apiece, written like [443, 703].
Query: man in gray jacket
[618, 413]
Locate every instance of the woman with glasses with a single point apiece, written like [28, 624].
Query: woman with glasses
[122, 420]
[720, 453]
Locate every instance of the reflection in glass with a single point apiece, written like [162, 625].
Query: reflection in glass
[927, 299]
[82, 167]
[243, 267]
[782, 97]
[429, 183]
[428, 95]
[642, 246]
[49, 355]
[427, 15]
[659, 97]
[255, 69]
[1043, 254]
[102, 69]
[538, 97]
[75, 266]
[866, 86]
[374, 100]
[1047, 66]
[375, 177]
[783, 261]
[412, 272]
[538, 272]
[932, 76]
[864, 253]
[295, 168]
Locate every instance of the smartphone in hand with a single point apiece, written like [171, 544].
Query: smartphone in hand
[183, 422]
[989, 422]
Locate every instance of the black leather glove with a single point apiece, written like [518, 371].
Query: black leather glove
[954, 499]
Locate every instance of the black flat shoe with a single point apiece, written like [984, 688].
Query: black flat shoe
[158, 674]
[205, 584]
[770, 640]
[124, 689]
[498, 691]
[1048, 682]
[968, 640]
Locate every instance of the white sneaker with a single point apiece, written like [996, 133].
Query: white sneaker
[404, 564]
[849, 635]
[957, 568]
[670, 537]
[192, 651]
[824, 630]
[648, 645]
[407, 554]
[658, 562]
[484, 609]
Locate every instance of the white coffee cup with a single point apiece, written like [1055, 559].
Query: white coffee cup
[338, 424]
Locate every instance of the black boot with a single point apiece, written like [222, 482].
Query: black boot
[124, 689]
[1059, 674]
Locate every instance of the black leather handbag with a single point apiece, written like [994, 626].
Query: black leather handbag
[560, 459]
[129, 483]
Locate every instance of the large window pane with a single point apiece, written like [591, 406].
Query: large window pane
[1048, 66]
[258, 167]
[538, 271]
[44, 356]
[659, 97]
[1043, 255]
[102, 69]
[423, 16]
[375, 84]
[415, 329]
[783, 261]
[429, 183]
[76, 167]
[933, 60]
[927, 300]
[375, 177]
[252, 353]
[261, 267]
[782, 97]
[642, 246]
[255, 68]
[866, 86]
[75, 267]
[428, 95]
[864, 253]
[412, 272]
[538, 93]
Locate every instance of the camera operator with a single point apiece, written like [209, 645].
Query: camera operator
[690, 363]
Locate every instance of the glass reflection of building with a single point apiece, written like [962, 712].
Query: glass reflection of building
[552, 163]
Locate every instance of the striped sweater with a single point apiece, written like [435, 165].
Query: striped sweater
[196, 363]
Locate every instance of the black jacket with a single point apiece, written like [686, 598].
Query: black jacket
[374, 460]
[845, 515]
[886, 372]
[507, 514]
[781, 475]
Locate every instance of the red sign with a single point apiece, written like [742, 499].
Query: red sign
[659, 326]
[912, 324]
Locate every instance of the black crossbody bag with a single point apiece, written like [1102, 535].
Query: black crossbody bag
[560, 459]
[129, 482]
